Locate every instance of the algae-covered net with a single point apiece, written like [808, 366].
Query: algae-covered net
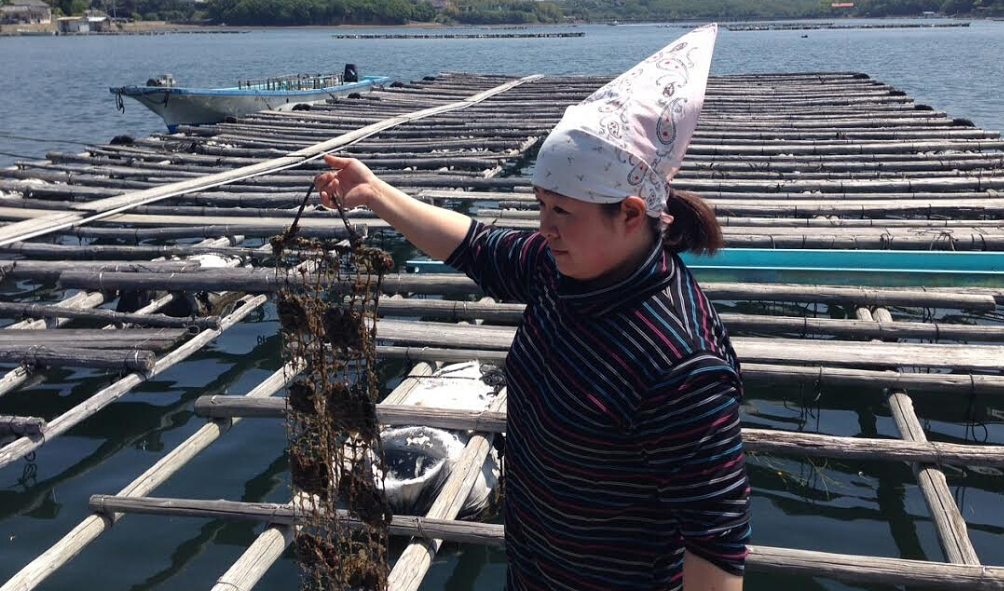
[327, 307]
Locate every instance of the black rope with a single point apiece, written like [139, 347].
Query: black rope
[29, 473]
[119, 103]
[21, 156]
[296, 220]
[493, 375]
[971, 423]
[27, 138]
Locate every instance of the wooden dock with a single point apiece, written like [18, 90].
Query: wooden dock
[812, 160]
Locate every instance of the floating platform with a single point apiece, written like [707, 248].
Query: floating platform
[832, 26]
[818, 162]
[460, 35]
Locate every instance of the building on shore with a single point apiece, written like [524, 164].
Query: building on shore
[91, 22]
[25, 12]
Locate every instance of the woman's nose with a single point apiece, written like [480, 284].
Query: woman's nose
[547, 227]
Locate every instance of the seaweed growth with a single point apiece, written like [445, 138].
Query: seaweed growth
[327, 312]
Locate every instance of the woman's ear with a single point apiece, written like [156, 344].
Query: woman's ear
[634, 212]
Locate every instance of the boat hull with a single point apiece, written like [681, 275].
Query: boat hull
[193, 106]
[878, 268]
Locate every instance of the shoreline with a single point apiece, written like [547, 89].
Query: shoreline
[165, 27]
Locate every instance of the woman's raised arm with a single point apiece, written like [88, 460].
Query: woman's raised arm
[434, 230]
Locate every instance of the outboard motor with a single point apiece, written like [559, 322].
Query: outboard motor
[166, 81]
[350, 75]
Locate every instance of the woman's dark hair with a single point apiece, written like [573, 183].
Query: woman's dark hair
[694, 229]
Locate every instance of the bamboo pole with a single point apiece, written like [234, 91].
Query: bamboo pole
[135, 360]
[948, 521]
[328, 225]
[877, 238]
[753, 349]
[806, 563]
[50, 270]
[398, 165]
[409, 383]
[12, 451]
[762, 440]
[808, 376]
[79, 301]
[296, 131]
[452, 284]
[117, 318]
[521, 198]
[96, 524]
[903, 230]
[833, 163]
[156, 339]
[416, 559]
[814, 375]
[807, 224]
[18, 426]
[512, 313]
[114, 251]
[257, 559]
[193, 230]
[923, 207]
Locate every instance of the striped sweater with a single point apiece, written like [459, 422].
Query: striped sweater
[623, 443]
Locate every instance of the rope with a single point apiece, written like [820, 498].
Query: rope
[30, 471]
[26, 138]
[20, 156]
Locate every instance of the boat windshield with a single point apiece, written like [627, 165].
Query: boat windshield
[291, 82]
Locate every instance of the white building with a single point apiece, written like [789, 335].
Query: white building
[26, 12]
[91, 23]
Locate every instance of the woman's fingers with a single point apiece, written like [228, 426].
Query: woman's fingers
[348, 176]
[329, 192]
[336, 162]
[322, 180]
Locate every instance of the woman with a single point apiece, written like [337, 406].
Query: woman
[625, 467]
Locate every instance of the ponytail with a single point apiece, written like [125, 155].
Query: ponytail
[694, 228]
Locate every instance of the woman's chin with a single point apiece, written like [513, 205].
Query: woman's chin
[563, 267]
[569, 270]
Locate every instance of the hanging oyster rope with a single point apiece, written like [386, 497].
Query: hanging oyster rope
[327, 311]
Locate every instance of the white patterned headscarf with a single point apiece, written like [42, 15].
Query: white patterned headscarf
[629, 137]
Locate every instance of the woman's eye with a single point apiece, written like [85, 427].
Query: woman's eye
[559, 210]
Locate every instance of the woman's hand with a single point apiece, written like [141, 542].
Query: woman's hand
[351, 183]
[436, 231]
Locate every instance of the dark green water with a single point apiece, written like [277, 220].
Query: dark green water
[837, 506]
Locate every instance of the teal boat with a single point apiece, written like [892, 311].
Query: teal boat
[879, 268]
[203, 106]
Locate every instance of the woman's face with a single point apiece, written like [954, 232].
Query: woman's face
[586, 241]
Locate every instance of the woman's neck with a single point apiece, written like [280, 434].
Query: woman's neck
[633, 259]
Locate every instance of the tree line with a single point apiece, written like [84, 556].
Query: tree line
[497, 12]
[380, 12]
[660, 10]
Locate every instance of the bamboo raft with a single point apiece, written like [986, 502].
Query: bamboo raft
[814, 160]
[370, 36]
[832, 26]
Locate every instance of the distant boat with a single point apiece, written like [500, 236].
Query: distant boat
[200, 106]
